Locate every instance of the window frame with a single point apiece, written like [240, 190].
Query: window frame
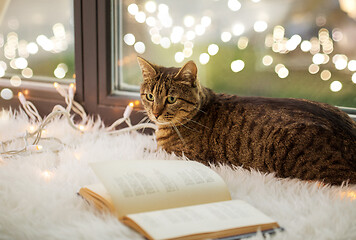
[93, 56]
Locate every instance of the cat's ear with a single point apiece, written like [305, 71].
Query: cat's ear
[188, 73]
[147, 68]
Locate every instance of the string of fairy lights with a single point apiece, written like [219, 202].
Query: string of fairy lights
[164, 31]
[30, 140]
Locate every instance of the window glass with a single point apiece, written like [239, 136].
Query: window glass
[36, 40]
[274, 48]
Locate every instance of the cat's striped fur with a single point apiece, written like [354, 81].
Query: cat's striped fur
[291, 137]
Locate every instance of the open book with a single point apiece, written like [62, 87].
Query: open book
[166, 199]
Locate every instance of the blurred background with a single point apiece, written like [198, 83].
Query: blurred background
[273, 48]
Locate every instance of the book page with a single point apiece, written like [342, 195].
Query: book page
[146, 185]
[98, 195]
[200, 219]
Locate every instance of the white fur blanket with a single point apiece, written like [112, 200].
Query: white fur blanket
[38, 197]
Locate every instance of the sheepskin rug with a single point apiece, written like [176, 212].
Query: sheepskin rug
[38, 197]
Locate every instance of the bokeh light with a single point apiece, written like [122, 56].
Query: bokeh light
[335, 86]
[237, 65]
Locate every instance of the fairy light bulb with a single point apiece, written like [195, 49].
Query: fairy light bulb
[128, 110]
[71, 91]
[56, 85]
[81, 127]
[21, 98]
[34, 148]
[32, 128]
[47, 175]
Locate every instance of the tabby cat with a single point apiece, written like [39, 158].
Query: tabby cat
[291, 137]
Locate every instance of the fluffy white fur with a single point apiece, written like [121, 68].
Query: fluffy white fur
[33, 207]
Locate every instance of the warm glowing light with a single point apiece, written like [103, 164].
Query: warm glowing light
[278, 67]
[27, 72]
[199, 29]
[205, 21]
[129, 39]
[190, 35]
[140, 47]
[128, 110]
[267, 60]
[305, 46]
[242, 42]
[283, 72]
[349, 194]
[137, 102]
[204, 58]
[81, 127]
[352, 65]
[237, 65]
[3, 65]
[238, 29]
[278, 33]
[353, 78]
[151, 6]
[77, 155]
[325, 75]
[32, 129]
[55, 84]
[34, 148]
[21, 63]
[72, 87]
[323, 35]
[177, 34]
[151, 21]
[179, 57]
[132, 9]
[189, 21]
[188, 52]
[165, 42]
[2, 72]
[6, 94]
[313, 68]
[156, 38]
[47, 175]
[15, 81]
[32, 48]
[337, 35]
[341, 64]
[293, 42]
[234, 5]
[315, 45]
[225, 36]
[260, 26]
[140, 17]
[335, 86]
[163, 8]
[213, 49]
[59, 73]
[318, 58]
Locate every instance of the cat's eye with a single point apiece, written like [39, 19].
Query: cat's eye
[171, 99]
[149, 97]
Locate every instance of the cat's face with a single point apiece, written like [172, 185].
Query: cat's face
[170, 96]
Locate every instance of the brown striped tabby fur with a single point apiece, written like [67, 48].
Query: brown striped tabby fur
[291, 137]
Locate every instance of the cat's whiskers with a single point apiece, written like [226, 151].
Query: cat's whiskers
[198, 108]
[179, 135]
[187, 126]
[191, 120]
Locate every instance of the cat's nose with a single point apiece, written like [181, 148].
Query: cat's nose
[156, 114]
